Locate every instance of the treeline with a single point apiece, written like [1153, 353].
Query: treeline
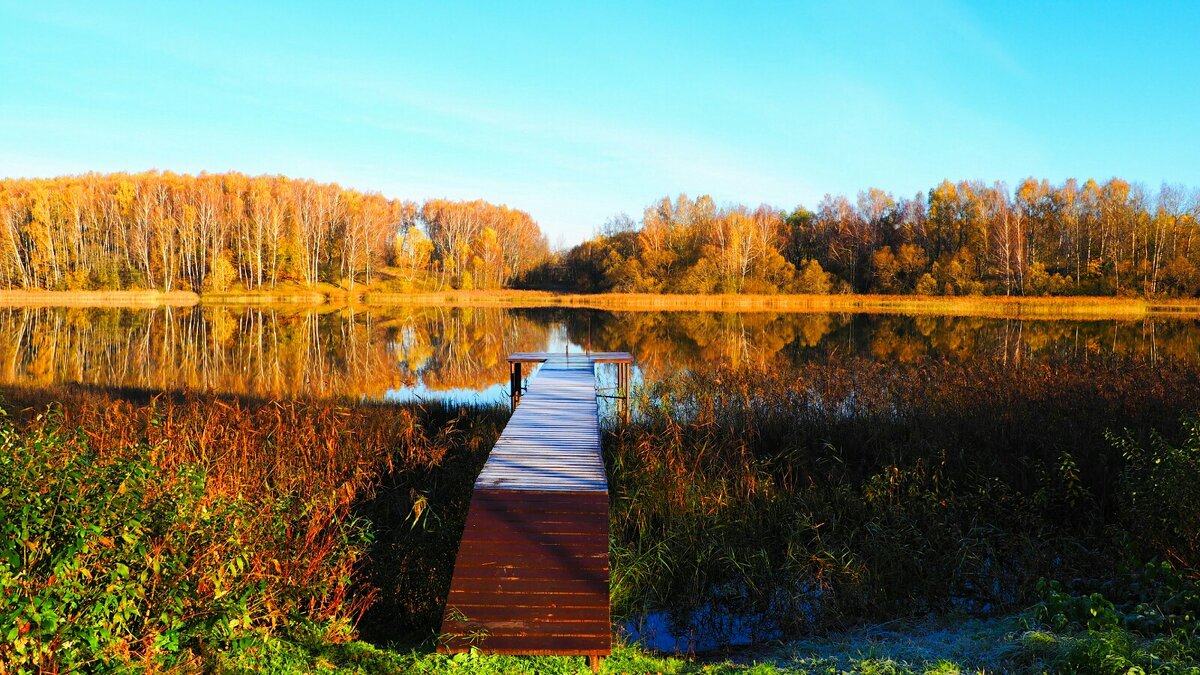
[216, 232]
[958, 239]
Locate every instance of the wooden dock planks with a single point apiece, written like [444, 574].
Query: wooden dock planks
[552, 441]
[532, 575]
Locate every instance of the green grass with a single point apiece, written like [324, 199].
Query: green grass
[1008, 645]
[358, 657]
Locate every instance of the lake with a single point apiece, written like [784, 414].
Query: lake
[458, 354]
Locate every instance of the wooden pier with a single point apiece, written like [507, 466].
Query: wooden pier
[531, 576]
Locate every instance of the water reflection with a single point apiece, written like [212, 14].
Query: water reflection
[458, 353]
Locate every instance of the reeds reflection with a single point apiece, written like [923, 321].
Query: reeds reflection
[459, 352]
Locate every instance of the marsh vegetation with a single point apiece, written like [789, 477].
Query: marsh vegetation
[229, 488]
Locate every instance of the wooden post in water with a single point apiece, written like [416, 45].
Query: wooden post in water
[624, 372]
[514, 383]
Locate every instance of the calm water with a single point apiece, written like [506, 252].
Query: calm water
[459, 353]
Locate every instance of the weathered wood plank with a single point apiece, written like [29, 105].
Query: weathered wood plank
[535, 586]
[544, 599]
[527, 499]
[529, 628]
[563, 573]
[542, 645]
[512, 612]
[572, 540]
[475, 605]
[553, 523]
[595, 357]
[542, 559]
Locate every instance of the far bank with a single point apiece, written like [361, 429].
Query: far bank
[983, 306]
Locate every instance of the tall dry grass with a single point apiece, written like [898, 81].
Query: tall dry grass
[978, 306]
[841, 490]
[1059, 307]
[145, 298]
[1066, 307]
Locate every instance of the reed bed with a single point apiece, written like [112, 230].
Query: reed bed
[1059, 307]
[1066, 307]
[174, 529]
[452, 298]
[847, 490]
[1072, 307]
[145, 298]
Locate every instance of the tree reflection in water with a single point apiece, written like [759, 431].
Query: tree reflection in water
[460, 352]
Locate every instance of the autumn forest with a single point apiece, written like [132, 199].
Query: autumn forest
[215, 232]
[964, 238]
[232, 232]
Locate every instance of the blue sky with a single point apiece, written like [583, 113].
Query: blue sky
[575, 111]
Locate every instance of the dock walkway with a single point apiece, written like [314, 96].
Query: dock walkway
[531, 576]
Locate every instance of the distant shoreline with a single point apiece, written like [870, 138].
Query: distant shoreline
[1067, 307]
[983, 306]
[134, 299]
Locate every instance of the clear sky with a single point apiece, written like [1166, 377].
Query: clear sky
[575, 111]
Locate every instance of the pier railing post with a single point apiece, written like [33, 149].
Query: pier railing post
[623, 376]
[514, 382]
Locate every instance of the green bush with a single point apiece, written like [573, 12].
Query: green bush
[1160, 494]
[111, 559]
[1142, 620]
[1060, 609]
